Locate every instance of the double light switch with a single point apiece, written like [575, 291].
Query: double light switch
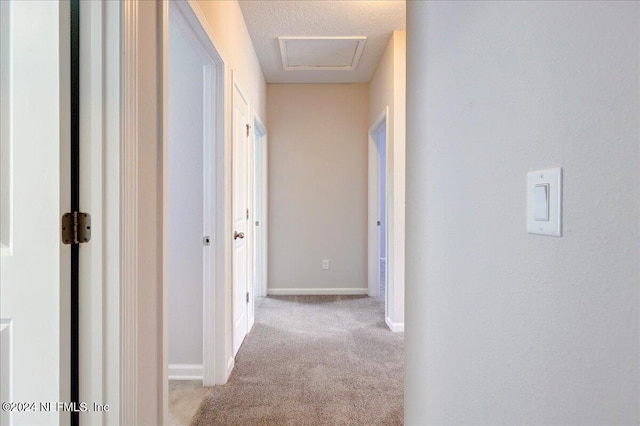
[544, 202]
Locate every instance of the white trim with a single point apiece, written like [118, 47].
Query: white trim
[129, 220]
[163, 35]
[112, 109]
[186, 371]
[397, 327]
[316, 291]
[230, 364]
[100, 128]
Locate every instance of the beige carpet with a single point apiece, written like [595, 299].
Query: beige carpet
[185, 397]
[313, 360]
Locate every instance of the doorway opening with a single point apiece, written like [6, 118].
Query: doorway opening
[379, 285]
[192, 194]
[260, 208]
[381, 144]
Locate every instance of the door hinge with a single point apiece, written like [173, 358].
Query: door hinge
[257, 223]
[248, 127]
[247, 297]
[76, 228]
[206, 240]
[378, 223]
[247, 214]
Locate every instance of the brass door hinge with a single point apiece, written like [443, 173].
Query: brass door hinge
[76, 228]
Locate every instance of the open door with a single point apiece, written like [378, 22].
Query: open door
[35, 192]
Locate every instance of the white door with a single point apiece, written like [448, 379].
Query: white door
[35, 192]
[240, 212]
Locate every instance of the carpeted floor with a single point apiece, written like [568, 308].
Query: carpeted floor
[313, 360]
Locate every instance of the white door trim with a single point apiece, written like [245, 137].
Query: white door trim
[100, 168]
[373, 209]
[144, 387]
[129, 218]
[260, 150]
[112, 304]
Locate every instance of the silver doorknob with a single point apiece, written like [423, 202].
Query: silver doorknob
[237, 235]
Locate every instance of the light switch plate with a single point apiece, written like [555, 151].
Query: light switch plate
[552, 178]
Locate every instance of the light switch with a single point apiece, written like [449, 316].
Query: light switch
[541, 202]
[544, 202]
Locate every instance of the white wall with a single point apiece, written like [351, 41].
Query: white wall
[507, 327]
[185, 267]
[317, 187]
[227, 23]
[388, 88]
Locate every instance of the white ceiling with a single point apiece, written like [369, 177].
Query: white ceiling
[269, 19]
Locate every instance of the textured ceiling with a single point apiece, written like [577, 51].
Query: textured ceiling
[269, 19]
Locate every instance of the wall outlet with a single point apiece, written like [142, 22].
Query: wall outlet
[325, 264]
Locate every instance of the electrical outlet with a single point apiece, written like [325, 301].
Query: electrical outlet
[325, 264]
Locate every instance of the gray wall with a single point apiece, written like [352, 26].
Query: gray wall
[507, 327]
[317, 186]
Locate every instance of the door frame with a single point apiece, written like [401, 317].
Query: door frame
[260, 207]
[374, 236]
[214, 363]
[100, 135]
[136, 171]
[213, 136]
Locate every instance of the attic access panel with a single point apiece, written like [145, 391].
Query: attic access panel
[321, 53]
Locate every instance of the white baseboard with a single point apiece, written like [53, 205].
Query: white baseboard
[316, 291]
[397, 327]
[230, 364]
[186, 372]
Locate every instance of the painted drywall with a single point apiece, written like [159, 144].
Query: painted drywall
[508, 327]
[227, 24]
[388, 89]
[317, 180]
[185, 196]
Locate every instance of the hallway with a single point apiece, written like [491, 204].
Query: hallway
[312, 360]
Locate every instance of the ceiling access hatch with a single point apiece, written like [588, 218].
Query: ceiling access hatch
[321, 53]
